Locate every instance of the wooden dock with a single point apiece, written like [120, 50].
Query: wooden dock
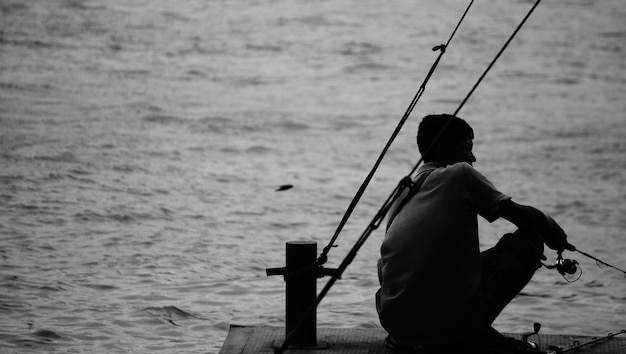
[262, 339]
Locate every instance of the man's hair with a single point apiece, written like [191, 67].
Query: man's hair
[444, 128]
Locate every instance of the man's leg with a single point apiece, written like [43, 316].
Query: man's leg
[506, 269]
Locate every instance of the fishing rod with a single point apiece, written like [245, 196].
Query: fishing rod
[375, 223]
[571, 266]
[557, 350]
[601, 263]
[442, 50]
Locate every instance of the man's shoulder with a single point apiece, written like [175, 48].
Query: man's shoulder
[458, 171]
[466, 172]
[460, 168]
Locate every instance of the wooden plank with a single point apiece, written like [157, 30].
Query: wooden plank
[236, 339]
[264, 339]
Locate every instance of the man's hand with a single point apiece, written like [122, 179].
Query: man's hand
[554, 236]
[527, 217]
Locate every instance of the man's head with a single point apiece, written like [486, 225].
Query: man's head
[445, 139]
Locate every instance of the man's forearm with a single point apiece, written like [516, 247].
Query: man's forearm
[524, 216]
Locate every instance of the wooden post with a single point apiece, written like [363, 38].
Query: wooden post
[301, 292]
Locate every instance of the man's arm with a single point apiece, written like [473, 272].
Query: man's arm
[527, 217]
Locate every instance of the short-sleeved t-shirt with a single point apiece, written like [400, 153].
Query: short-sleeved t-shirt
[430, 256]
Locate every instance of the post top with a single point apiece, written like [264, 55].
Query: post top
[302, 243]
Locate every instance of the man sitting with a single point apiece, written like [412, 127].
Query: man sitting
[438, 291]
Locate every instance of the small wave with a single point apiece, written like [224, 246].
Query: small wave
[11, 178]
[594, 284]
[535, 294]
[609, 47]
[196, 73]
[574, 133]
[31, 44]
[230, 150]
[52, 288]
[15, 282]
[168, 310]
[124, 218]
[567, 81]
[314, 21]
[346, 122]
[561, 208]
[25, 206]
[27, 87]
[366, 67]
[11, 8]
[234, 290]
[52, 176]
[570, 297]
[360, 49]
[83, 180]
[125, 74]
[576, 64]
[213, 124]
[78, 171]
[291, 125]
[124, 168]
[249, 122]
[81, 5]
[274, 48]
[174, 16]
[104, 287]
[88, 216]
[447, 101]
[171, 314]
[613, 34]
[258, 149]
[162, 119]
[240, 81]
[62, 157]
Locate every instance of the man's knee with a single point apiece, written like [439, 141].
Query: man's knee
[525, 245]
[507, 268]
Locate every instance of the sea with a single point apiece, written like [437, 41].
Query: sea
[156, 156]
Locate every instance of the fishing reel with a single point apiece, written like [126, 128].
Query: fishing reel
[568, 268]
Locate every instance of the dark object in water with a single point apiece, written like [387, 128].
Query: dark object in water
[46, 333]
[284, 187]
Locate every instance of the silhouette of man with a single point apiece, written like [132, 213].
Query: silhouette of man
[437, 289]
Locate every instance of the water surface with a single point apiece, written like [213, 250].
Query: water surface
[142, 143]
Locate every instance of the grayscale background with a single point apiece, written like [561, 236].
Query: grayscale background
[142, 141]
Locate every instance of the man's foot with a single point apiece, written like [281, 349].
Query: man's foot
[399, 347]
[491, 342]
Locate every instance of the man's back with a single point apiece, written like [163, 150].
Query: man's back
[430, 255]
